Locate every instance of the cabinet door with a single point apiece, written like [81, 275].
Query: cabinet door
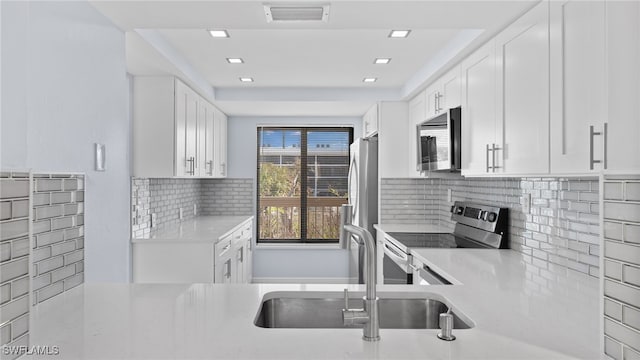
[622, 147]
[191, 133]
[577, 84]
[370, 122]
[451, 89]
[479, 109]
[202, 139]
[209, 140]
[417, 114]
[523, 84]
[221, 148]
[248, 261]
[432, 100]
[181, 164]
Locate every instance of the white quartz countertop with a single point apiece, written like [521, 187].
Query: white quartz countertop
[198, 229]
[520, 311]
[412, 228]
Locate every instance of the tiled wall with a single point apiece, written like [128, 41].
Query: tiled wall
[227, 197]
[164, 197]
[560, 229]
[58, 234]
[622, 267]
[14, 259]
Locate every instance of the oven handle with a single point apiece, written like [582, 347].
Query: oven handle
[394, 255]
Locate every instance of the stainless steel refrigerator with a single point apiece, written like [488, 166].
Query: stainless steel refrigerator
[363, 195]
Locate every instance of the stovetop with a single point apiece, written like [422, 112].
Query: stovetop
[433, 240]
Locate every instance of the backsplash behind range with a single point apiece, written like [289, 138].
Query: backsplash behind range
[561, 228]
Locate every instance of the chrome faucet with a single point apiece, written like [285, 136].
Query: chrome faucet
[368, 316]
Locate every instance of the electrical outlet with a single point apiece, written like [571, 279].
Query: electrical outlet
[180, 214]
[195, 210]
[154, 218]
[449, 195]
[526, 203]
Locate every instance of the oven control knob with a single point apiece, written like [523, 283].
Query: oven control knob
[482, 215]
[491, 217]
[459, 210]
[453, 208]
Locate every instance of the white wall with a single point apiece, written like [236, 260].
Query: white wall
[293, 263]
[64, 88]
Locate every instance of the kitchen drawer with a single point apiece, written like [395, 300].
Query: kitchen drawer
[223, 246]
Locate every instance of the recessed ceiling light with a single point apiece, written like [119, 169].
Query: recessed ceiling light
[399, 33]
[235, 60]
[219, 33]
[382, 61]
[369, 79]
[246, 79]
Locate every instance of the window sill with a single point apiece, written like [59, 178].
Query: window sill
[291, 246]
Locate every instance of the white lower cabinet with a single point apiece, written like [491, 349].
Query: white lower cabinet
[224, 263]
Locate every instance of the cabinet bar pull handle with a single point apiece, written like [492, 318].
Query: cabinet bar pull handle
[494, 148]
[488, 167]
[605, 144]
[593, 133]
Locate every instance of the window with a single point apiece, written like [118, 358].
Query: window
[302, 183]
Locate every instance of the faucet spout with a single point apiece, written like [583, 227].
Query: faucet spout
[370, 315]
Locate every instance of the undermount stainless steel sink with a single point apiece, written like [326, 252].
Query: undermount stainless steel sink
[326, 312]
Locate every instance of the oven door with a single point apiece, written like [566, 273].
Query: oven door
[395, 266]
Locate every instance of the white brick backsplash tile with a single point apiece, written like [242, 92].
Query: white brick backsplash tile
[19, 326]
[621, 292]
[621, 251]
[41, 226]
[45, 212]
[63, 247]
[50, 264]
[79, 266]
[5, 210]
[630, 354]
[20, 208]
[5, 251]
[613, 309]
[49, 238]
[41, 253]
[79, 243]
[73, 257]
[41, 281]
[14, 269]
[19, 247]
[613, 269]
[48, 185]
[63, 273]
[621, 333]
[70, 184]
[19, 287]
[5, 334]
[61, 223]
[613, 348]
[13, 188]
[41, 199]
[631, 317]
[5, 293]
[631, 275]
[632, 191]
[622, 211]
[13, 309]
[22, 341]
[613, 191]
[73, 233]
[13, 228]
[79, 196]
[60, 197]
[73, 281]
[49, 291]
[632, 233]
[71, 209]
[613, 230]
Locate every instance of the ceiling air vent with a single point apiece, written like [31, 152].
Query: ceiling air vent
[285, 13]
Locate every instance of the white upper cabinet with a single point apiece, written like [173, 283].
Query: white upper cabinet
[444, 93]
[578, 85]
[622, 132]
[522, 53]
[370, 122]
[174, 131]
[220, 158]
[481, 135]
[417, 114]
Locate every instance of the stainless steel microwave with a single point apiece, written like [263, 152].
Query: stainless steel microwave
[439, 142]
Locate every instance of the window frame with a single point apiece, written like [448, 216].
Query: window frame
[304, 130]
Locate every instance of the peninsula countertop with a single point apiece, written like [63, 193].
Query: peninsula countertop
[198, 229]
[519, 311]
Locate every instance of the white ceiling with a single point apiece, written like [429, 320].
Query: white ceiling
[170, 37]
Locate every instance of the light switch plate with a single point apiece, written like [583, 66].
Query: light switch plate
[154, 218]
[100, 157]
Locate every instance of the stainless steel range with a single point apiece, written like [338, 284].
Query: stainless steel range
[477, 226]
